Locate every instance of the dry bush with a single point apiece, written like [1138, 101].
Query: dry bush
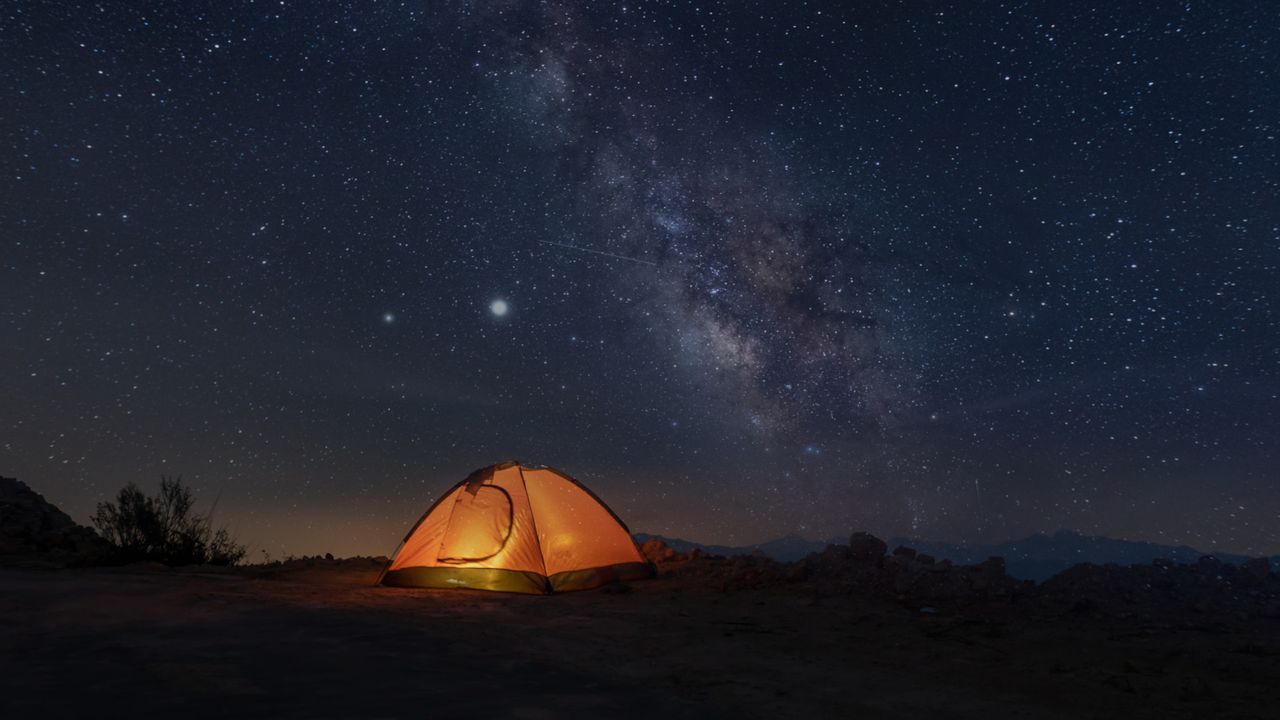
[165, 528]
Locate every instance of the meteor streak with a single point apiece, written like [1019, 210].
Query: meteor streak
[599, 252]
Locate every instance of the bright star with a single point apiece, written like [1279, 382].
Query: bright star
[499, 307]
[388, 318]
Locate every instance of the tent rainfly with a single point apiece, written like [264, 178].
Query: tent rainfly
[516, 528]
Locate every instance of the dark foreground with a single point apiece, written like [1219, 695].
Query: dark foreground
[318, 642]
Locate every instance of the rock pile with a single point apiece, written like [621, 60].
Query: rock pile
[865, 568]
[740, 572]
[861, 567]
[33, 531]
[1209, 588]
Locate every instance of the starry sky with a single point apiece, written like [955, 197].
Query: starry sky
[954, 270]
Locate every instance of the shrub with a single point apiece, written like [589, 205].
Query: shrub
[165, 528]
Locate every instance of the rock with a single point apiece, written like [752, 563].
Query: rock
[835, 555]
[1209, 565]
[904, 552]
[1256, 569]
[33, 530]
[752, 571]
[994, 569]
[1194, 689]
[866, 547]
[796, 572]
[1254, 649]
[993, 566]
[987, 574]
[657, 552]
[903, 582]
[924, 559]
[1120, 682]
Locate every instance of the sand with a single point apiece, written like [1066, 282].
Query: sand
[319, 642]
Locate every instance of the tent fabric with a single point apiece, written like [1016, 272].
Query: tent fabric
[514, 528]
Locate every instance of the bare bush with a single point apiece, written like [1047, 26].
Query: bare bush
[165, 528]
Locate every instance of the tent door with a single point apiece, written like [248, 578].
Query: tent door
[479, 526]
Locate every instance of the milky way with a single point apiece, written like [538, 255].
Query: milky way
[763, 276]
[964, 270]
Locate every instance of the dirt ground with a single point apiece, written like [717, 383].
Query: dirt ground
[321, 642]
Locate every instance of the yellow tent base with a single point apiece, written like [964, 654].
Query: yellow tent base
[516, 581]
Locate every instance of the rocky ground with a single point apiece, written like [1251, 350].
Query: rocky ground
[855, 631]
[841, 634]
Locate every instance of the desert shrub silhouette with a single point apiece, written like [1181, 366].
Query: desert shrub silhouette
[165, 528]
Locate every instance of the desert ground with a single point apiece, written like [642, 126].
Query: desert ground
[316, 639]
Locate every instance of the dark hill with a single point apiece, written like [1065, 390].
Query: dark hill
[34, 531]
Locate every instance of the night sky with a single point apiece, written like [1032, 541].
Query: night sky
[963, 271]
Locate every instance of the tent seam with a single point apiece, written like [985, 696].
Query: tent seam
[534, 522]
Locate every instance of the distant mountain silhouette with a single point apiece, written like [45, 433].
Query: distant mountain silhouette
[1041, 556]
[1037, 557]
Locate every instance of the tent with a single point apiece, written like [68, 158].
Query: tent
[516, 528]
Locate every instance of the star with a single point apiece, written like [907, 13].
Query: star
[732, 279]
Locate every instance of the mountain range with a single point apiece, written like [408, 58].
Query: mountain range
[1037, 557]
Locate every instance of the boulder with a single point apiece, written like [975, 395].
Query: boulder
[865, 547]
[1256, 569]
[993, 567]
[987, 575]
[1210, 566]
[658, 552]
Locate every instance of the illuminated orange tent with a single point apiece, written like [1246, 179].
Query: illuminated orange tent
[516, 528]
